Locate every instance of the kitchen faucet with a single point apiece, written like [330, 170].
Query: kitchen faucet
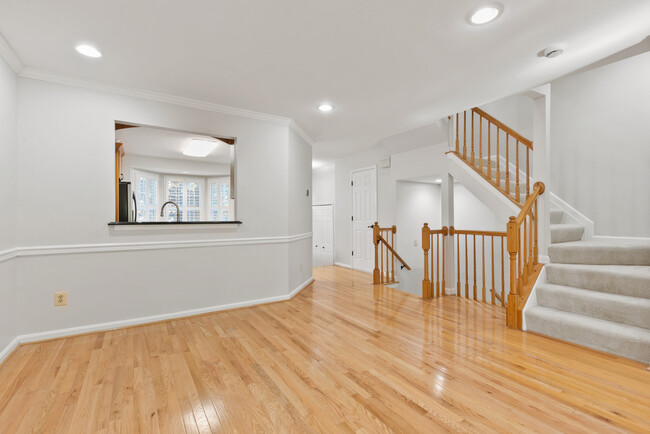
[178, 213]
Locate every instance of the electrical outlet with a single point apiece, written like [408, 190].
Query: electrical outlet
[60, 298]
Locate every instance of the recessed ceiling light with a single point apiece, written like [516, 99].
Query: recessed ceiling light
[199, 148]
[89, 51]
[484, 15]
[326, 107]
[438, 181]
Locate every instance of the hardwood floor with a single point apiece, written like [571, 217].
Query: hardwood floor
[342, 356]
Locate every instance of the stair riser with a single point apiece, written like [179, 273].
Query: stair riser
[556, 216]
[566, 233]
[598, 255]
[634, 345]
[599, 280]
[624, 310]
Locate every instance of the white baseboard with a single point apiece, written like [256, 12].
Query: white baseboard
[341, 264]
[9, 349]
[544, 259]
[54, 334]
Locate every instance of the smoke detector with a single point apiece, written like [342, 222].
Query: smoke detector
[553, 51]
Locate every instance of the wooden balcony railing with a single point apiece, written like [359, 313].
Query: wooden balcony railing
[523, 251]
[490, 144]
[385, 254]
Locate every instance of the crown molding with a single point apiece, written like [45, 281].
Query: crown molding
[69, 80]
[10, 55]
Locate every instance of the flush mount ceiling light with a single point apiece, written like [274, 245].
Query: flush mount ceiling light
[438, 181]
[484, 15]
[325, 107]
[89, 51]
[199, 148]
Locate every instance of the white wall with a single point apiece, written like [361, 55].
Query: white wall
[300, 219]
[66, 198]
[424, 161]
[516, 111]
[600, 145]
[8, 199]
[323, 182]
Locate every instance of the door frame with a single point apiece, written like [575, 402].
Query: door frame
[351, 232]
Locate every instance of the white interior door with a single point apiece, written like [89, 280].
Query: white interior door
[323, 228]
[364, 214]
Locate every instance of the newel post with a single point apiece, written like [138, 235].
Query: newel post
[375, 240]
[426, 282]
[513, 297]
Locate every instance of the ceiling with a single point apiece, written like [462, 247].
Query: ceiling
[158, 142]
[387, 66]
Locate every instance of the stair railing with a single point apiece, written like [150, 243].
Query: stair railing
[429, 287]
[523, 251]
[495, 276]
[385, 254]
[480, 146]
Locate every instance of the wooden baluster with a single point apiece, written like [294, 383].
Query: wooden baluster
[527, 172]
[473, 161]
[517, 192]
[437, 265]
[444, 236]
[457, 262]
[375, 237]
[457, 144]
[392, 256]
[480, 143]
[474, 287]
[513, 296]
[530, 241]
[523, 254]
[426, 283]
[465, 135]
[498, 162]
[520, 265]
[483, 267]
[433, 283]
[492, 250]
[508, 164]
[503, 275]
[489, 153]
[381, 262]
[466, 270]
[535, 249]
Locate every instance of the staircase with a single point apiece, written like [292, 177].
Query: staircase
[596, 294]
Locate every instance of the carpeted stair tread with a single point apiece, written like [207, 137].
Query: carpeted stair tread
[617, 308]
[563, 233]
[629, 280]
[623, 340]
[556, 216]
[601, 252]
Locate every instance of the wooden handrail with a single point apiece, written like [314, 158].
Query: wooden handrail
[503, 127]
[385, 255]
[453, 230]
[538, 189]
[398, 257]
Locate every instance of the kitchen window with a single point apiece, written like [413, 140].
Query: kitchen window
[146, 193]
[186, 193]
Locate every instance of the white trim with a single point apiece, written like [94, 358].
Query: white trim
[11, 346]
[118, 247]
[532, 297]
[68, 80]
[114, 325]
[612, 238]
[6, 255]
[10, 56]
[342, 265]
[574, 214]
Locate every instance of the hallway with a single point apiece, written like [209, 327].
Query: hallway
[342, 356]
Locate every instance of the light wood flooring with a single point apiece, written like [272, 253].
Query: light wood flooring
[342, 356]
